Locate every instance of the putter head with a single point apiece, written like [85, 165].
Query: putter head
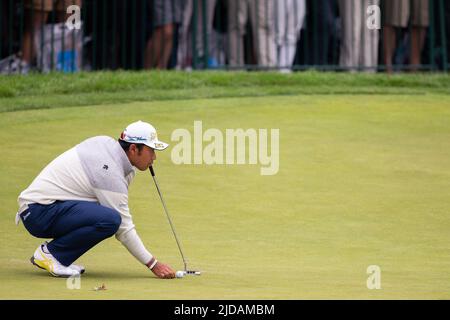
[192, 272]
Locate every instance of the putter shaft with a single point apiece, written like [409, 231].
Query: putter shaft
[168, 218]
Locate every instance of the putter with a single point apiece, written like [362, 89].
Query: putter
[186, 271]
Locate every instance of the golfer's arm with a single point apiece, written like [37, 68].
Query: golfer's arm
[126, 233]
[133, 243]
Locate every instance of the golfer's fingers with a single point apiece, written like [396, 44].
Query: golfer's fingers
[170, 275]
[167, 274]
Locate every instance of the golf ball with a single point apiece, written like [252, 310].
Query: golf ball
[179, 274]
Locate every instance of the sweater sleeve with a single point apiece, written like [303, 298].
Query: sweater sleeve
[126, 234]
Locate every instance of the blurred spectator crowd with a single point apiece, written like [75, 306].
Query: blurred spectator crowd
[284, 35]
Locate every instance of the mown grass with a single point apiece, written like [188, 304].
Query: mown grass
[363, 180]
[56, 90]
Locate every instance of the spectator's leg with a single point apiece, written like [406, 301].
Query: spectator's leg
[369, 52]
[151, 55]
[299, 13]
[183, 53]
[417, 43]
[419, 20]
[210, 6]
[237, 17]
[262, 18]
[212, 42]
[159, 47]
[346, 42]
[33, 22]
[166, 44]
[396, 14]
[294, 17]
[352, 15]
[326, 17]
[280, 31]
[389, 46]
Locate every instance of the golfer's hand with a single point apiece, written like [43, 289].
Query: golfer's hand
[163, 271]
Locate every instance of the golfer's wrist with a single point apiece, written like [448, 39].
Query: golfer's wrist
[152, 263]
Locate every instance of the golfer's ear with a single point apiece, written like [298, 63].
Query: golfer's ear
[132, 148]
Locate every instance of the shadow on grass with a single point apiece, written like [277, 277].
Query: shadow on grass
[93, 275]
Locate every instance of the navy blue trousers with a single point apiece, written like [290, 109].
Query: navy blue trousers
[74, 226]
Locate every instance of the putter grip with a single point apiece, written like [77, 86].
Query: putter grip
[151, 171]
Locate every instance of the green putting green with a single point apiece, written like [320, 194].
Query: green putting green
[363, 180]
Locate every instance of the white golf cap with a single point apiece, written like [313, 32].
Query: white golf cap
[143, 133]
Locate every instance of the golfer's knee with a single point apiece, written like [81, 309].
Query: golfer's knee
[116, 221]
[110, 223]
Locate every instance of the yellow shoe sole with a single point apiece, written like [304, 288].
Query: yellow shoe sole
[43, 265]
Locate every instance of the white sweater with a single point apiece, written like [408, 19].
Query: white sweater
[96, 170]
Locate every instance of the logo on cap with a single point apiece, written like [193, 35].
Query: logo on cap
[135, 139]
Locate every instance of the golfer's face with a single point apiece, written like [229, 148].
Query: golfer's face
[145, 158]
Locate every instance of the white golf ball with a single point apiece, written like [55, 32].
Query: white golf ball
[179, 274]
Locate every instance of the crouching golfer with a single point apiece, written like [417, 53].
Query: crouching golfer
[81, 198]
